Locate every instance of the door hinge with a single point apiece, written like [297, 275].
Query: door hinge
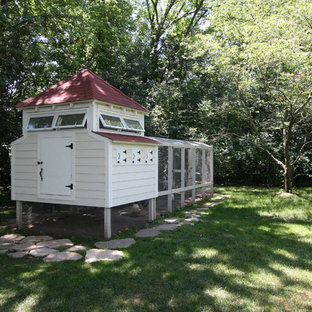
[71, 145]
[71, 186]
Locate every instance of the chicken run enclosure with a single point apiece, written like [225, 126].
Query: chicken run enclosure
[83, 145]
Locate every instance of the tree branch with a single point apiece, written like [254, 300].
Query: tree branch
[301, 150]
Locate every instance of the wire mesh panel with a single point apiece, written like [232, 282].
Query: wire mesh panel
[208, 177]
[176, 168]
[188, 167]
[198, 166]
[162, 168]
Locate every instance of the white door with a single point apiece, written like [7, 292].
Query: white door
[55, 166]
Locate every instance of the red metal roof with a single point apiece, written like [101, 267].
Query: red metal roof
[127, 138]
[85, 85]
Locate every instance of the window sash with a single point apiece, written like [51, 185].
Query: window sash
[66, 118]
[43, 122]
[107, 121]
[133, 124]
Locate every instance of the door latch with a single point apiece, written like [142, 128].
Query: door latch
[71, 145]
[71, 186]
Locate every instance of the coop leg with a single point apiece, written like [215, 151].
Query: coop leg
[193, 196]
[182, 199]
[203, 192]
[107, 223]
[152, 209]
[19, 214]
[29, 215]
[170, 203]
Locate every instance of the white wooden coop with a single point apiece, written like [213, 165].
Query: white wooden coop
[83, 144]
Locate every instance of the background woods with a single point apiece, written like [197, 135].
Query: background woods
[235, 74]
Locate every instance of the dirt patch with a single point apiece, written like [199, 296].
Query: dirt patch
[286, 195]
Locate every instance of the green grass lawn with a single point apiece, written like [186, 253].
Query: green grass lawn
[251, 252]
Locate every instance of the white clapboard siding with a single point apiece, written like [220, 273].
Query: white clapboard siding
[98, 153]
[28, 147]
[85, 177]
[90, 170]
[132, 182]
[86, 161]
[25, 161]
[24, 165]
[26, 183]
[128, 176]
[117, 185]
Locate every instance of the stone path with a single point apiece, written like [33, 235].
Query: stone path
[94, 255]
[115, 243]
[62, 256]
[45, 247]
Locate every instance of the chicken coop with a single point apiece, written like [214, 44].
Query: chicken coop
[83, 144]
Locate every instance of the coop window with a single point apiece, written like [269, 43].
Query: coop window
[40, 122]
[133, 124]
[111, 122]
[72, 120]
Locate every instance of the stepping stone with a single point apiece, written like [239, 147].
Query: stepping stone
[42, 252]
[204, 209]
[25, 246]
[190, 211]
[209, 205]
[216, 198]
[11, 238]
[203, 213]
[6, 245]
[36, 239]
[3, 251]
[94, 255]
[16, 255]
[62, 256]
[56, 243]
[192, 219]
[172, 220]
[147, 233]
[115, 243]
[227, 196]
[166, 227]
[77, 248]
[192, 215]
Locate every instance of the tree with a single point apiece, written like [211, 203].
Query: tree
[42, 42]
[262, 48]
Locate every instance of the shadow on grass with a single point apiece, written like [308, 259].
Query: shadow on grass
[234, 260]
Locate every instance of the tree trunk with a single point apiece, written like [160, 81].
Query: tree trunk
[287, 176]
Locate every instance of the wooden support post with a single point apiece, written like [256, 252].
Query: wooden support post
[204, 173]
[182, 197]
[193, 162]
[29, 215]
[152, 209]
[211, 169]
[193, 196]
[19, 214]
[170, 177]
[107, 223]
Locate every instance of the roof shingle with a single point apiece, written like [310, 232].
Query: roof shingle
[85, 85]
[127, 138]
